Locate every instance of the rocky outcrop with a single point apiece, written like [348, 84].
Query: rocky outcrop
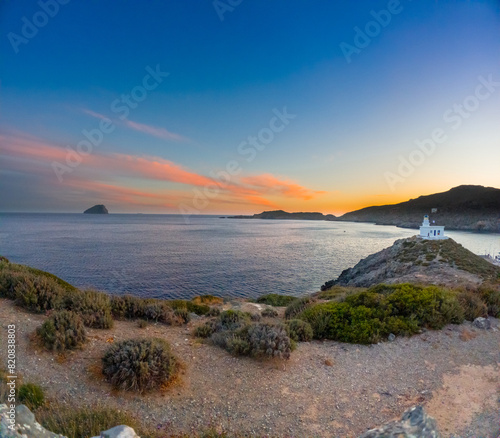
[415, 423]
[414, 260]
[20, 423]
[97, 209]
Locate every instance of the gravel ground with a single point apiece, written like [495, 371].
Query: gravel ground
[326, 389]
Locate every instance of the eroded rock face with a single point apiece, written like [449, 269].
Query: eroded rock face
[415, 423]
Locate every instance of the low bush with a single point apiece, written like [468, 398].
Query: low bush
[139, 365]
[269, 313]
[276, 300]
[269, 340]
[31, 395]
[142, 323]
[206, 330]
[39, 294]
[298, 306]
[491, 295]
[337, 292]
[472, 304]
[63, 330]
[94, 308]
[298, 330]
[370, 316]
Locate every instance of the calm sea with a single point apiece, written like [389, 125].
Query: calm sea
[162, 256]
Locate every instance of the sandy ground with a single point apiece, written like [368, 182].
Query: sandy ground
[326, 389]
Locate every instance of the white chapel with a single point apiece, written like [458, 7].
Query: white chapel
[428, 231]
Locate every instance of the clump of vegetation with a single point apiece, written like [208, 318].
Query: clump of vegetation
[63, 330]
[472, 304]
[298, 306]
[269, 313]
[31, 395]
[490, 293]
[94, 308]
[207, 299]
[235, 331]
[269, 340]
[275, 300]
[142, 323]
[299, 330]
[139, 365]
[337, 292]
[83, 421]
[369, 316]
[39, 294]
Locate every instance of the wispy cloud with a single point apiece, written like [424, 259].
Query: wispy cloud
[155, 131]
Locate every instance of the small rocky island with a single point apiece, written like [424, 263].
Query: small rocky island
[97, 209]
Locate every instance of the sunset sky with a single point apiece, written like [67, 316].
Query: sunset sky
[207, 108]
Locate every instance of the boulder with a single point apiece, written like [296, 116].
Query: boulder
[482, 323]
[119, 432]
[415, 423]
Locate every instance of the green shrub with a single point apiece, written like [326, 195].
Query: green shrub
[472, 304]
[491, 296]
[63, 330]
[269, 313]
[206, 330]
[31, 395]
[269, 340]
[298, 330]
[142, 323]
[9, 280]
[233, 319]
[139, 365]
[276, 300]
[39, 294]
[214, 311]
[183, 315]
[337, 292]
[298, 306]
[94, 308]
[369, 316]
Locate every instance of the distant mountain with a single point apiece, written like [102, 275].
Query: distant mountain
[467, 207]
[280, 214]
[97, 209]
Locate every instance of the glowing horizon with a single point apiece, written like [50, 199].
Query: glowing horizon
[329, 108]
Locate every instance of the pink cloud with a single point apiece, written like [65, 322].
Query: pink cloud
[273, 185]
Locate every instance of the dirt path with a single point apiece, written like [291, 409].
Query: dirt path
[325, 389]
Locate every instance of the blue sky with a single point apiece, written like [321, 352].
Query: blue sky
[355, 122]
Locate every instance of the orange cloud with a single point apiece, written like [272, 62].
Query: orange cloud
[276, 186]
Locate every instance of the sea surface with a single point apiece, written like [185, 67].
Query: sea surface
[161, 256]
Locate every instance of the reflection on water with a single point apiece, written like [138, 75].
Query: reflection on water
[161, 256]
